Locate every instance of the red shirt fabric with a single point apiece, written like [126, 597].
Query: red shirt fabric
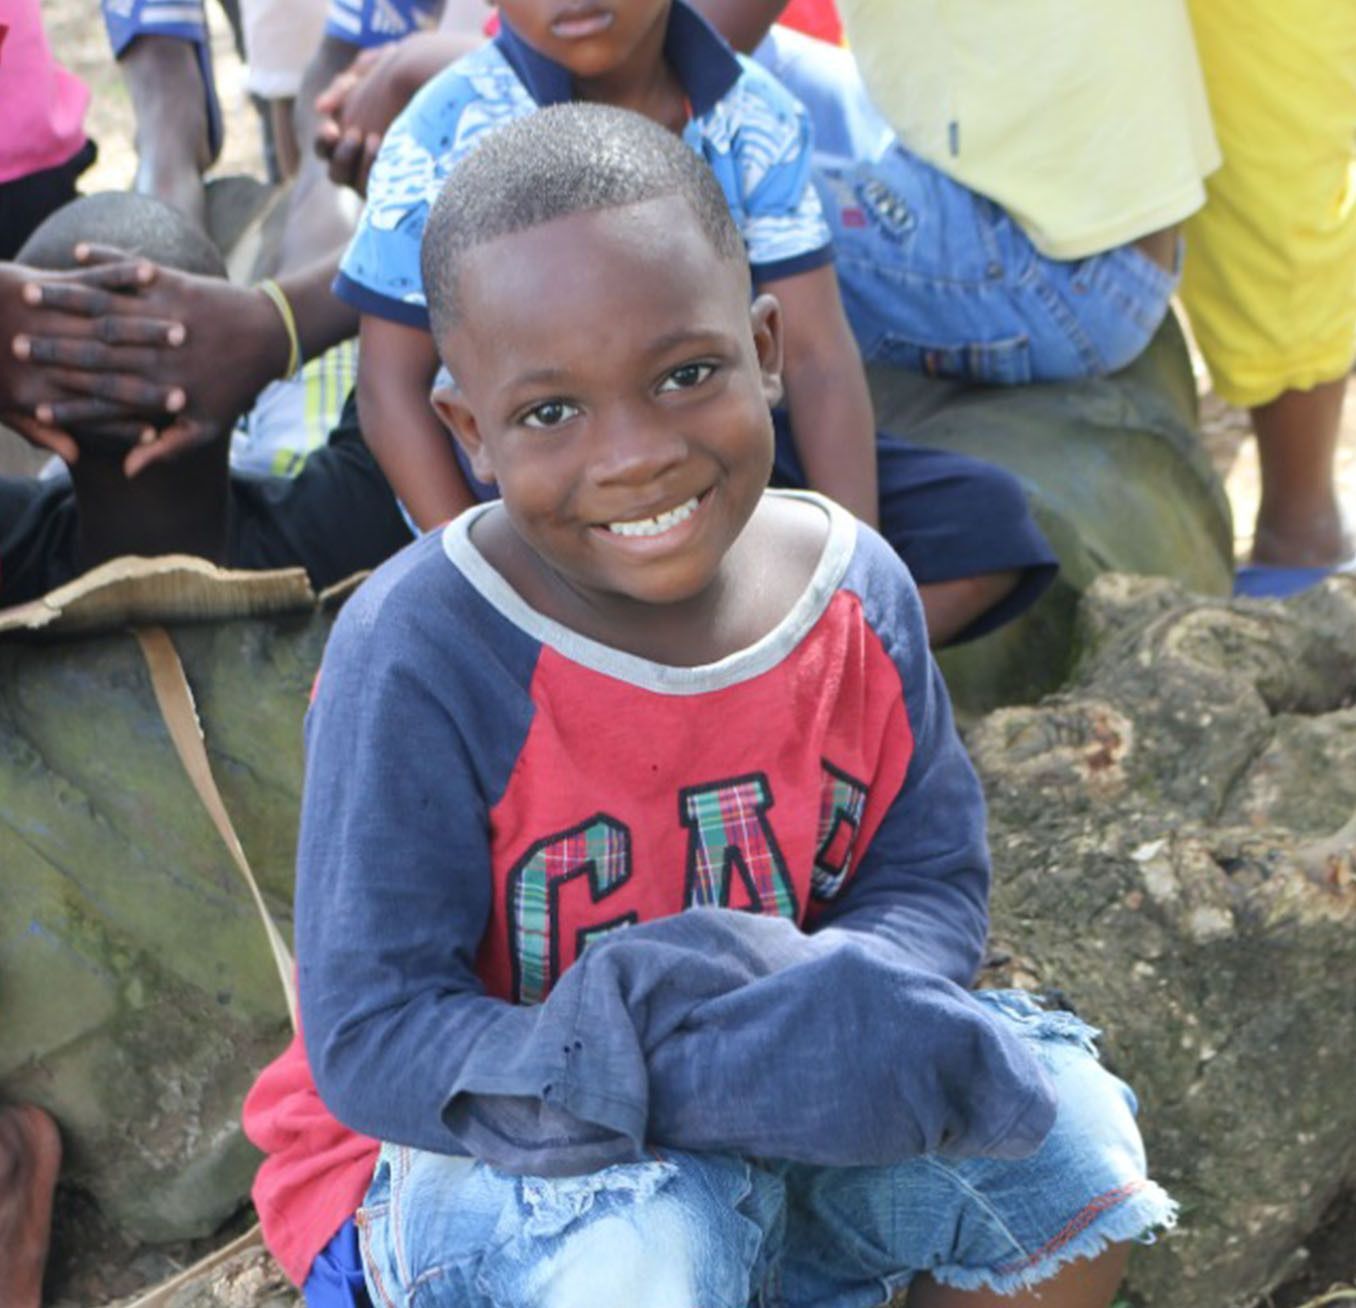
[316, 1172]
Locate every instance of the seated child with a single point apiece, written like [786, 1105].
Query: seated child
[637, 685]
[939, 279]
[335, 518]
[962, 526]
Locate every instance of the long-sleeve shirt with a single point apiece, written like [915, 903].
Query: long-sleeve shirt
[490, 797]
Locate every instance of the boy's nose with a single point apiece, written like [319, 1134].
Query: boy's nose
[633, 447]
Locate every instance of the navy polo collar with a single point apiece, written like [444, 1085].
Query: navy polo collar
[701, 60]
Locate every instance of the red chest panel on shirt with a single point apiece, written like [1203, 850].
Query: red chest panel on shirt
[627, 804]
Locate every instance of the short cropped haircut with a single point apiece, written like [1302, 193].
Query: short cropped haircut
[138, 224]
[567, 159]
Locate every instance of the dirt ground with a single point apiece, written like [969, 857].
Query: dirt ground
[79, 41]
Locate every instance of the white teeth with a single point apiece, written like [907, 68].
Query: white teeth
[657, 525]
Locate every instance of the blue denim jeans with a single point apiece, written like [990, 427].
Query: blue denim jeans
[940, 280]
[719, 1231]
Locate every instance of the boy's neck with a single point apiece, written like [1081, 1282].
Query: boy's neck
[765, 574]
[178, 507]
[647, 85]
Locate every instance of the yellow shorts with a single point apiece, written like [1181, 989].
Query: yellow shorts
[1270, 275]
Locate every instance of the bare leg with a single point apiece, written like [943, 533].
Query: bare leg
[30, 1156]
[170, 104]
[1084, 1283]
[285, 145]
[951, 606]
[1299, 523]
[319, 215]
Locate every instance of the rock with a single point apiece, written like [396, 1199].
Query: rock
[139, 995]
[1117, 477]
[1173, 846]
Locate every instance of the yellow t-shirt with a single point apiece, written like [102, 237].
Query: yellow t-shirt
[1085, 119]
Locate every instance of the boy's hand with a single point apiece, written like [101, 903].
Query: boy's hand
[76, 348]
[356, 108]
[233, 344]
[349, 124]
[183, 354]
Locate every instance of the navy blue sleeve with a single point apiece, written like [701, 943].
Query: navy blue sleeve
[416, 723]
[864, 1047]
[825, 1049]
[923, 882]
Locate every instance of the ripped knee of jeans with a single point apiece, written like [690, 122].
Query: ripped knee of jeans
[555, 1204]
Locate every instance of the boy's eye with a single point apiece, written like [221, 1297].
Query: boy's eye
[550, 414]
[686, 376]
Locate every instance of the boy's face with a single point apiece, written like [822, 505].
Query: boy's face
[616, 383]
[592, 38]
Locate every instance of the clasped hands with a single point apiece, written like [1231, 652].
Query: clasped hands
[123, 355]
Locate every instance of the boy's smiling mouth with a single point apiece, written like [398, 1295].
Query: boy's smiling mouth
[583, 21]
[657, 525]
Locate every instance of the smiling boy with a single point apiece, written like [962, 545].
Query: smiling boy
[640, 692]
[630, 457]
[961, 525]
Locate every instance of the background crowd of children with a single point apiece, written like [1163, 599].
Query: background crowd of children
[988, 223]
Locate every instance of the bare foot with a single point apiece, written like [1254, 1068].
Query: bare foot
[1299, 522]
[30, 1157]
[1316, 540]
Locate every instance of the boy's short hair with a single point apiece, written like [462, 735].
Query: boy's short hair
[139, 224]
[566, 159]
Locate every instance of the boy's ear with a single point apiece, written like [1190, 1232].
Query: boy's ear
[450, 405]
[765, 317]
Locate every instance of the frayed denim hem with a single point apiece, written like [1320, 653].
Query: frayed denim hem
[1138, 1212]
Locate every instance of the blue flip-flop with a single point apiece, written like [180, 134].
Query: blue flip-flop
[1267, 581]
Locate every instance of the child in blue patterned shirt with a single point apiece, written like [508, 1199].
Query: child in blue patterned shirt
[962, 526]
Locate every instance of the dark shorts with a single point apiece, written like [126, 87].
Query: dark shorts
[337, 516]
[948, 516]
[26, 202]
